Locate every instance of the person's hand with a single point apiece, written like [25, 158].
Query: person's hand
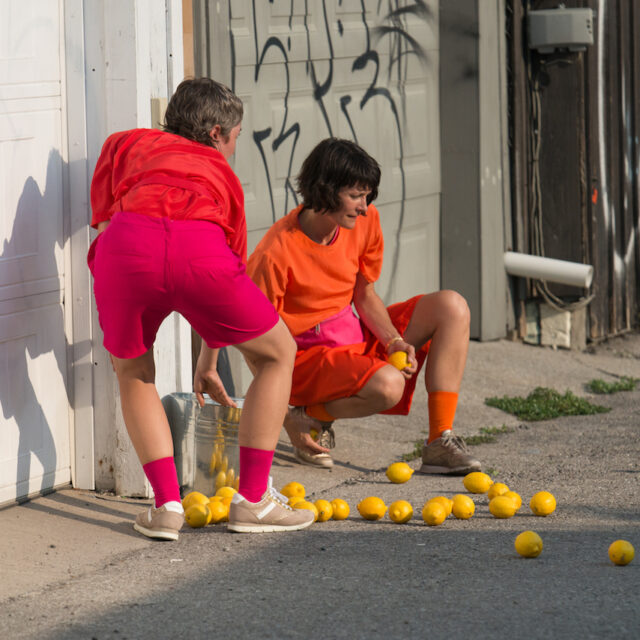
[409, 349]
[300, 437]
[208, 381]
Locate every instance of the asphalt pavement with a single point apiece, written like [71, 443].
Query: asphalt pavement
[73, 567]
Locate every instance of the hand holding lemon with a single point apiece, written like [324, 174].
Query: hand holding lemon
[402, 359]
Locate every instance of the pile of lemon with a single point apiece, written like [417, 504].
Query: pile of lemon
[323, 510]
[201, 510]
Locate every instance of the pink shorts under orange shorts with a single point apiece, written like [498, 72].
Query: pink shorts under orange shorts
[144, 268]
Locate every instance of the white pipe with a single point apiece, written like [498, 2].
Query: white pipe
[526, 266]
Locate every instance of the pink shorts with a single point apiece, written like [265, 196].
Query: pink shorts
[144, 268]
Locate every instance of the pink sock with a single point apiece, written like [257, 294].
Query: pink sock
[255, 465]
[163, 477]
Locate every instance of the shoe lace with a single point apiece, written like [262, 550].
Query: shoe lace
[278, 497]
[327, 438]
[456, 442]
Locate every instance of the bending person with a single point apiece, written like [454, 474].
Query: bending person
[318, 261]
[172, 237]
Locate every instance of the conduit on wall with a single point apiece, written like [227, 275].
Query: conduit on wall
[548, 269]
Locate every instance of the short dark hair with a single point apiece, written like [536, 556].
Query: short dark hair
[334, 164]
[198, 105]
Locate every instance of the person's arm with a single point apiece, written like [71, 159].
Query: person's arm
[206, 378]
[375, 316]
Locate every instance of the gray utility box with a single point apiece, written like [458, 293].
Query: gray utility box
[552, 29]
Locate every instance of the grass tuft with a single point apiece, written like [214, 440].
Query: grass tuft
[416, 453]
[625, 383]
[487, 434]
[544, 403]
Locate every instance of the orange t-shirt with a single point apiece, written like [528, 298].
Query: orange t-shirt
[131, 169]
[309, 282]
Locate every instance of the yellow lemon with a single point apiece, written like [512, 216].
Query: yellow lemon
[293, 499]
[213, 464]
[305, 504]
[197, 515]
[399, 360]
[463, 506]
[434, 513]
[313, 433]
[340, 509]
[221, 480]
[224, 463]
[219, 511]
[477, 482]
[543, 503]
[515, 497]
[400, 511]
[325, 510]
[226, 492]
[528, 544]
[194, 497]
[621, 552]
[399, 472]
[502, 507]
[372, 508]
[497, 489]
[447, 503]
[236, 484]
[231, 477]
[293, 489]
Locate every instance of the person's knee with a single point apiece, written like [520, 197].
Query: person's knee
[275, 347]
[455, 308]
[388, 386]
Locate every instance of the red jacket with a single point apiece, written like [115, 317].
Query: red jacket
[160, 174]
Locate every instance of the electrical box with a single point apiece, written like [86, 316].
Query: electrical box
[551, 29]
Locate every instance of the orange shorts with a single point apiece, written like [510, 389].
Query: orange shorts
[323, 374]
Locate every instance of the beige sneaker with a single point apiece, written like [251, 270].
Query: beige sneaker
[298, 421]
[448, 455]
[272, 513]
[162, 524]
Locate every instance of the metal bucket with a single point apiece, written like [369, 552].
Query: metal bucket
[205, 442]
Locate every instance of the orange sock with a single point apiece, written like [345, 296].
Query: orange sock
[442, 410]
[319, 412]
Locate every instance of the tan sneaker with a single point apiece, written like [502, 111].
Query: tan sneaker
[448, 455]
[163, 523]
[272, 513]
[297, 420]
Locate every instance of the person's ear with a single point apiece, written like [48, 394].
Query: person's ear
[215, 133]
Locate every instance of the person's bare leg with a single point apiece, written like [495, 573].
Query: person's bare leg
[143, 413]
[270, 357]
[442, 317]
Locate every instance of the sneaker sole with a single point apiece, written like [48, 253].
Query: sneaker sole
[326, 464]
[267, 528]
[448, 471]
[155, 534]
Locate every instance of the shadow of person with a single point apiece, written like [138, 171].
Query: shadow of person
[33, 345]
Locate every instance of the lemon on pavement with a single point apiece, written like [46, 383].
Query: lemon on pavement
[528, 544]
[463, 506]
[621, 552]
[399, 360]
[325, 510]
[502, 507]
[219, 511]
[447, 503]
[543, 503]
[515, 497]
[399, 472]
[497, 489]
[294, 499]
[226, 492]
[434, 513]
[372, 508]
[477, 482]
[400, 511]
[194, 497]
[197, 515]
[340, 509]
[305, 504]
[293, 489]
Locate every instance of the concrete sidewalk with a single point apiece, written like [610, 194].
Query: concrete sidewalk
[73, 567]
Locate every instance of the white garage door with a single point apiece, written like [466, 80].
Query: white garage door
[34, 432]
